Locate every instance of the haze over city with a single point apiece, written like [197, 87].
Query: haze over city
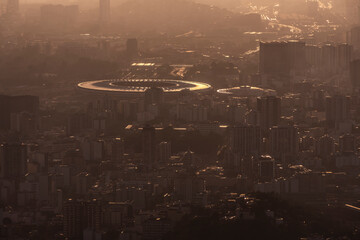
[179, 119]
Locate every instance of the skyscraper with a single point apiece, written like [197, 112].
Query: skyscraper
[266, 168]
[347, 143]
[73, 219]
[13, 158]
[284, 143]
[318, 100]
[16, 104]
[164, 151]
[282, 58]
[92, 215]
[354, 37]
[104, 11]
[154, 95]
[337, 110]
[268, 111]
[355, 74]
[92, 150]
[245, 140]
[132, 47]
[117, 149]
[79, 215]
[149, 146]
[325, 147]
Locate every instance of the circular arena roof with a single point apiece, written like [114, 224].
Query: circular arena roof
[139, 86]
[247, 91]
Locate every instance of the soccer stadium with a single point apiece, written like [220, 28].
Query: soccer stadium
[246, 91]
[137, 87]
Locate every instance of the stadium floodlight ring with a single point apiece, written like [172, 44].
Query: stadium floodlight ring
[139, 86]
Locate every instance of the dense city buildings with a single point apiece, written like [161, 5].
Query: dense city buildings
[268, 112]
[158, 119]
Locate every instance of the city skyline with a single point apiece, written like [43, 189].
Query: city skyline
[179, 119]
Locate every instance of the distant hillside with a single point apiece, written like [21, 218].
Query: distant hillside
[178, 16]
[228, 4]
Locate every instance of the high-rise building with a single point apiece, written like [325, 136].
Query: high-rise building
[92, 150]
[307, 143]
[188, 158]
[347, 143]
[337, 110]
[92, 215]
[344, 55]
[329, 59]
[154, 95]
[313, 57]
[82, 183]
[77, 123]
[117, 149]
[16, 104]
[156, 228]
[325, 147]
[282, 58]
[318, 100]
[284, 143]
[104, 11]
[117, 214]
[245, 140]
[73, 219]
[355, 74]
[187, 186]
[13, 160]
[266, 168]
[354, 37]
[132, 47]
[78, 216]
[192, 112]
[268, 111]
[164, 151]
[24, 123]
[274, 58]
[149, 145]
